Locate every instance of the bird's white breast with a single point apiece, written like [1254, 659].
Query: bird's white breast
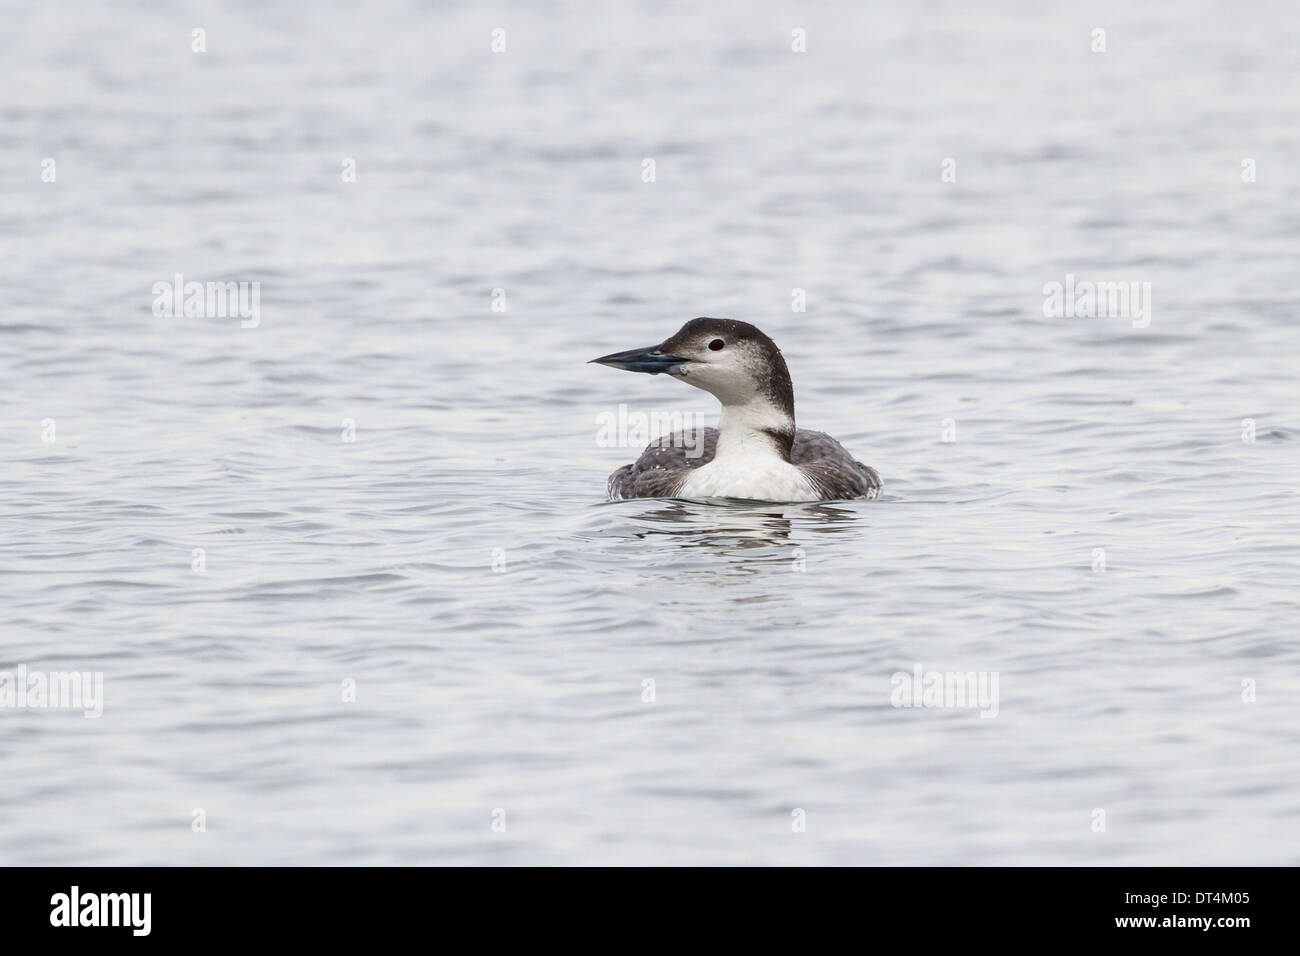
[762, 478]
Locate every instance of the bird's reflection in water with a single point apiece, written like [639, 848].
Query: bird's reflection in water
[728, 526]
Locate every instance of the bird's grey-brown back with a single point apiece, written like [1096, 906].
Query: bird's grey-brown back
[757, 451]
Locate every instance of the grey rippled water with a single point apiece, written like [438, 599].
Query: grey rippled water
[1074, 504]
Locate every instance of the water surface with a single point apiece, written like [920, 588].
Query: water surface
[456, 562]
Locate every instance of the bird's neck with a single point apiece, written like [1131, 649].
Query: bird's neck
[756, 429]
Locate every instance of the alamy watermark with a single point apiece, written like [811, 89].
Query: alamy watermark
[923, 688]
[624, 429]
[130, 910]
[209, 300]
[1098, 300]
[55, 690]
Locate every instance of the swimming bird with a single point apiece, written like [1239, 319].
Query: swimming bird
[755, 452]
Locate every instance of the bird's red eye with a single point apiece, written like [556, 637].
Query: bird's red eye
[716, 345]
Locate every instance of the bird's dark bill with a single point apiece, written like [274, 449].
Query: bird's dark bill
[653, 360]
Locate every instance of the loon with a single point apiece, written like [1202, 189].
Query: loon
[755, 452]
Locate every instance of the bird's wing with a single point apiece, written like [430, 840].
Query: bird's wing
[664, 464]
[834, 472]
